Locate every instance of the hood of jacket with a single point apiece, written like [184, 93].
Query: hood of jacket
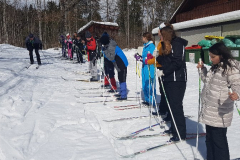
[180, 40]
[110, 50]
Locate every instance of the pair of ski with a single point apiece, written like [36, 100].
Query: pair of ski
[193, 136]
[139, 117]
[31, 65]
[82, 80]
[135, 136]
[113, 100]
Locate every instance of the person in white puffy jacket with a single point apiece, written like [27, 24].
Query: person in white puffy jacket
[217, 102]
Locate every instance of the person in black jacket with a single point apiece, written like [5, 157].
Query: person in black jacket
[79, 48]
[33, 42]
[74, 38]
[174, 75]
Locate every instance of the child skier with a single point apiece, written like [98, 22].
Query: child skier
[148, 70]
[217, 101]
[114, 54]
[68, 43]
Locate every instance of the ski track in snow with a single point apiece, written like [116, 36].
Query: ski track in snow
[43, 117]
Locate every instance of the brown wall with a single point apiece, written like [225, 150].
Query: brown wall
[209, 9]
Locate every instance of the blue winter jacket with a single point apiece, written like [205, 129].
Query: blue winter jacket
[148, 47]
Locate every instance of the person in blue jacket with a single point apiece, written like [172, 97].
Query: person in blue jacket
[148, 48]
[114, 54]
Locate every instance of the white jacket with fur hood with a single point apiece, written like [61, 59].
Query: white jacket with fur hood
[217, 107]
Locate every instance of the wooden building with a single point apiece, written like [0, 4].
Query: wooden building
[97, 29]
[194, 19]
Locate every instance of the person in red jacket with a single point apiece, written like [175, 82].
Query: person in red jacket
[92, 55]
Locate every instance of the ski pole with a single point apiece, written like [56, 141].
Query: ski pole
[170, 108]
[108, 79]
[150, 107]
[136, 83]
[199, 105]
[155, 65]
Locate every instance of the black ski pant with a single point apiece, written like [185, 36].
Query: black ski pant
[175, 91]
[109, 68]
[217, 144]
[63, 51]
[72, 51]
[31, 56]
[163, 107]
[122, 75]
[79, 56]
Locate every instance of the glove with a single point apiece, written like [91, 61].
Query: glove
[149, 56]
[146, 60]
[160, 73]
[138, 57]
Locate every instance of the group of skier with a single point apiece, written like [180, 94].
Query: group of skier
[96, 48]
[167, 62]
[76, 44]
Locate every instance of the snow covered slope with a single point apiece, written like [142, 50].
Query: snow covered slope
[44, 117]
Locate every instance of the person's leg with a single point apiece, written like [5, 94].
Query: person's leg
[78, 56]
[38, 56]
[111, 76]
[122, 76]
[209, 143]
[175, 94]
[145, 83]
[163, 108]
[94, 69]
[220, 143]
[31, 57]
[72, 51]
[81, 57]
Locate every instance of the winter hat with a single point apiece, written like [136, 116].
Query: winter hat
[162, 25]
[88, 34]
[30, 35]
[105, 38]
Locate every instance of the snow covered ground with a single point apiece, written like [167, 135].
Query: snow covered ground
[44, 117]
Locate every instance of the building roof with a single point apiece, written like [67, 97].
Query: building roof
[225, 17]
[95, 22]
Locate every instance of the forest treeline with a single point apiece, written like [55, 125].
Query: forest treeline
[48, 19]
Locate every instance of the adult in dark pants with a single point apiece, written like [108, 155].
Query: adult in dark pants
[174, 75]
[33, 42]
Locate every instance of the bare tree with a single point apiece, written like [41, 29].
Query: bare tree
[5, 22]
[39, 7]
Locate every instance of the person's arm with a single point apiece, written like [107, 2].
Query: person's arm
[26, 43]
[233, 80]
[203, 71]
